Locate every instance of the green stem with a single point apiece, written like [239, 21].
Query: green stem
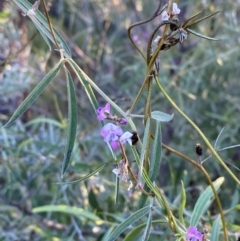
[214, 152]
[202, 169]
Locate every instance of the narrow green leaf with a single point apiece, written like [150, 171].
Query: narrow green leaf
[157, 210]
[156, 153]
[116, 191]
[136, 231]
[182, 205]
[41, 24]
[34, 94]
[147, 180]
[215, 229]
[190, 19]
[129, 221]
[40, 120]
[201, 36]
[78, 212]
[161, 116]
[143, 198]
[146, 233]
[204, 201]
[88, 89]
[107, 234]
[72, 122]
[144, 146]
[85, 177]
[202, 19]
[216, 142]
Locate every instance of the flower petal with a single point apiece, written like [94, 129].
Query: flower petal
[164, 16]
[175, 9]
[126, 137]
[111, 132]
[103, 112]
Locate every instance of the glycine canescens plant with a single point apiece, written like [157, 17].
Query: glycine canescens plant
[121, 135]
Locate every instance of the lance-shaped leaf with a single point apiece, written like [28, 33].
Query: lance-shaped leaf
[182, 205]
[161, 116]
[85, 177]
[41, 24]
[215, 229]
[201, 19]
[204, 201]
[88, 89]
[77, 212]
[136, 231]
[34, 94]
[201, 36]
[146, 233]
[72, 122]
[187, 23]
[129, 221]
[116, 191]
[143, 197]
[156, 153]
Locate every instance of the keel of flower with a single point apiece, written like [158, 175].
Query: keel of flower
[126, 137]
[193, 234]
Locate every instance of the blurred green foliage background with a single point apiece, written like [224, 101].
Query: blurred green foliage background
[201, 76]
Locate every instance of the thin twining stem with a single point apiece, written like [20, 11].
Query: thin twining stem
[155, 14]
[202, 169]
[214, 152]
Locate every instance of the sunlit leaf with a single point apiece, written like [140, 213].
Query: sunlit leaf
[34, 94]
[204, 201]
[129, 221]
[161, 116]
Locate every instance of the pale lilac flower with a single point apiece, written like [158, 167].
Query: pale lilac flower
[193, 234]
[165, 16]
[175, 9]
[111, 132]
[103, 112]
[126, 137]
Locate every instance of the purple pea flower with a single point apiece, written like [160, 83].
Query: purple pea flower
[114, 134]
[103, 112]
[193, 234]
[111, 132]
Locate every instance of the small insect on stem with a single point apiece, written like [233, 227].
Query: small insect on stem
[134, 138]
[198, 150]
